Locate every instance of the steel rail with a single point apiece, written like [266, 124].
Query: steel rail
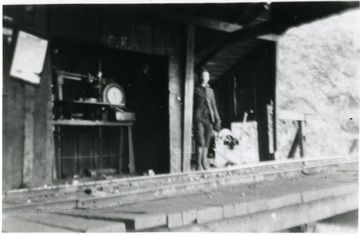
[189, 182]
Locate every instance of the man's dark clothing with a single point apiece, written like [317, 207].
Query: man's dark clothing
[206, 116]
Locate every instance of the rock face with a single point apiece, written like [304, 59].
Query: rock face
[318, 74]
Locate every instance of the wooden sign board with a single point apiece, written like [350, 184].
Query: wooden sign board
[29, 57]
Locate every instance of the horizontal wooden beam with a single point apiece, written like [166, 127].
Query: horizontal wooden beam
[189, 20]
[242, 34]
[193, 20]
[269, 37]
[168, 15]
[214, 24]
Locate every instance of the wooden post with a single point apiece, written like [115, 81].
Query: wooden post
[121, 147]
[131, 151]
[49, 152]
[58, 151]
[234, 91]
[100, 148]
[188, 99]
[302, 128]
[261, 113]
[301, 146]
[29, 136]
[273, 68]
[176, 90]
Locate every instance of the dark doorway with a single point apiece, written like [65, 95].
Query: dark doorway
[248, 94]
[144, 79]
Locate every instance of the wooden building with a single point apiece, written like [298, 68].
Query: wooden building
[151, 51]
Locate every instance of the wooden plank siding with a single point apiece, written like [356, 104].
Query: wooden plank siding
[29, 145]
[13, 131]
[27, 151]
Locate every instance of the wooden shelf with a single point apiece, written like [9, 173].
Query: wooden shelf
[88, 103]
[74, 122]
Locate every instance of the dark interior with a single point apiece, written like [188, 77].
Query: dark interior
[144, 80]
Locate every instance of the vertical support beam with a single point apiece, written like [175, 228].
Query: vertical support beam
[273, 64]
[301, 139]
[77, 156]
[262, 129]
[42, 132]
[188, 99]
[29, 136]
[58, 151]
[234, 91]
[131, 151]
[174, 40]
[262, 96]
[101, 150]
[121, 147]
[49, 153]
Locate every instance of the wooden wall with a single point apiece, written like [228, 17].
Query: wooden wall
[13, 131]
[27, 130]
[28, 136]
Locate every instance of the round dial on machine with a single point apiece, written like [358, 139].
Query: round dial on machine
[114, 94]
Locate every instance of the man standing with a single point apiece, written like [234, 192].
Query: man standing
[206, 118]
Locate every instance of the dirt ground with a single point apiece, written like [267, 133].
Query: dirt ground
[318, 74]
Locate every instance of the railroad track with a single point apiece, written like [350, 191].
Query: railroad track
[116, 192]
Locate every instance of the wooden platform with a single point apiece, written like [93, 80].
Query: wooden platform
[258, 206]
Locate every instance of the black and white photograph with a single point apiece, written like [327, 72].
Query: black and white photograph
[184, 116]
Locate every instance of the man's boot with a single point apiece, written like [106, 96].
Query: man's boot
[198, 159]
[204, 158]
